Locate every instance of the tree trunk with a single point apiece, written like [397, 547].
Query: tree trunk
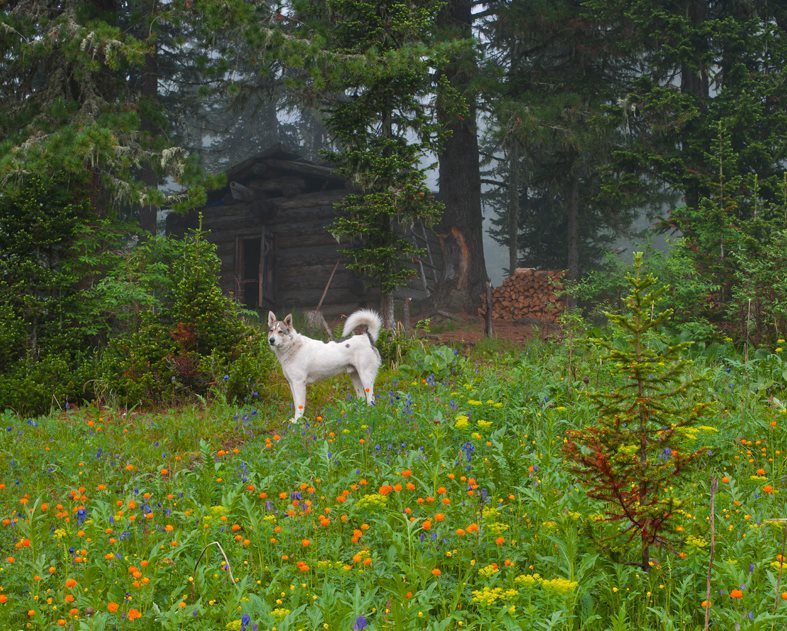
[460, 179]
[695, 84]
[388, 312]
[572, 229]
[513, 207]
[148, 213]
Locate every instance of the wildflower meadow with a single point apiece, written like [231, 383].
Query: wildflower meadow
[447, 505]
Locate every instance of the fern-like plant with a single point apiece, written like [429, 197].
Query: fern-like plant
[634, 453]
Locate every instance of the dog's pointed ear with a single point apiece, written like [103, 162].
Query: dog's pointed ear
[288, 320]
[271, 318]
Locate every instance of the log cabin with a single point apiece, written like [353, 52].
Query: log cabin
[269, 224]
[270, 227]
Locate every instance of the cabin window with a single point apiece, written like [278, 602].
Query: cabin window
[254, 270]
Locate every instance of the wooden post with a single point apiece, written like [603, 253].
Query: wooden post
[488, 332]
[406, 313]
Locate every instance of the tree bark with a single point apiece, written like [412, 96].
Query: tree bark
[148, 213]
[387, 306]
[513, 207]
[695, 84]
[460, 178]
[572, 229]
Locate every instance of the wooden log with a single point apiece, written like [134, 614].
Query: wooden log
[307, 255]
[308, 235]
[308, 298]
[322, 215]
[310, 200]
[313, 277]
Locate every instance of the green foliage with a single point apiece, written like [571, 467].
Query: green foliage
[77, 101]
[735, 243]
[188, 331]
[204, 318]
[52, 381]
[758, 300]
[250, 374]
[349, 513]
[53, 252]
[394, 345]
[138, 366]
[640, 445]
[13, 335]
[435, 362]
[676, 122]
[687, 291]
[148, 326]
[552, 72]
[382, 131]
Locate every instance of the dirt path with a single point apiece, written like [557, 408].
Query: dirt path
[468, 329]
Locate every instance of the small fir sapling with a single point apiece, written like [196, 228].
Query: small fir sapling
[639, 446]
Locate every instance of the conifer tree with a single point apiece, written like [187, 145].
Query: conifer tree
[638, 446]
[74, 101]
[554, 75]
[377, 100]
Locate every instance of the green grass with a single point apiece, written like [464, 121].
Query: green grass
[446, 506]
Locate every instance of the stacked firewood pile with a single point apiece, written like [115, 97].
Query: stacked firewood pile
[528, 294]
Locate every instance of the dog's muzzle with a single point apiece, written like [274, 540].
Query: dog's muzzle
[271, 341]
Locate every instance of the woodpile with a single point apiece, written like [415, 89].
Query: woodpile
[528, 294]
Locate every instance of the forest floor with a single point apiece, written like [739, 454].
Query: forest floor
[468, 329]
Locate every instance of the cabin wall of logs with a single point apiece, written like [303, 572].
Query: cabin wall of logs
[527, 295]
[269, 225]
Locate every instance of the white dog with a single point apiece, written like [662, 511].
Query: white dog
[304, 360]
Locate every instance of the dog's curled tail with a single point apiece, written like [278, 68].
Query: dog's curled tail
[370, 318]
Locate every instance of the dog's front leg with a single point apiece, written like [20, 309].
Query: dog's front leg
[298, 389]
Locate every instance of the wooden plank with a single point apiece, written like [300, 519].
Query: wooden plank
[310, 200]
[308, 299]
[302, 216]
[270, 186]
[315, 277]
[234, 210]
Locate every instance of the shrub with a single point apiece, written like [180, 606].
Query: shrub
[136, 366]
[686, 290]
[35, 385]
[248, 376]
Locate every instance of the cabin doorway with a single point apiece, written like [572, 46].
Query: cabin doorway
[254, 270]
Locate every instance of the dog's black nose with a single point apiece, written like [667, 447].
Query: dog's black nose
[271, 340]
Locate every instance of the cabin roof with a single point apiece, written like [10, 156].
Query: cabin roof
[279, 161]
